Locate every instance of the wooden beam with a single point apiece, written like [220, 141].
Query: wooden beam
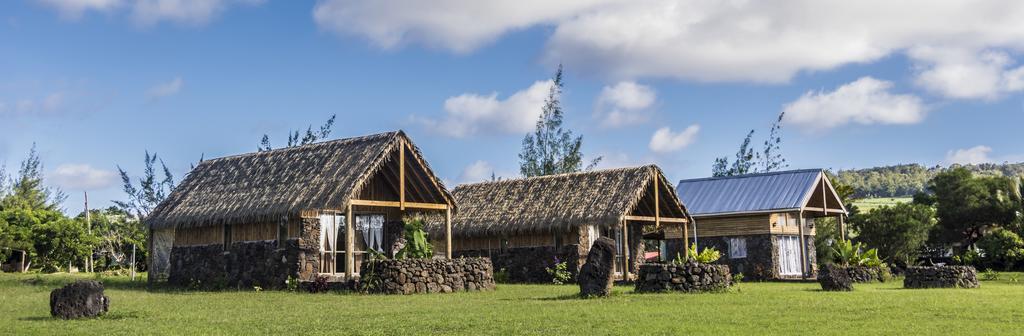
[657, 205]
[625, 251]
[448, 232]
[401, 175]
[653, 219]
[842, 227]
[350, 244]
[394, 204]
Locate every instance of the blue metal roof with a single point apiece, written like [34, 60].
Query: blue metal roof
[747, 193]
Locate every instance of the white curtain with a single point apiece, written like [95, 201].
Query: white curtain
[372, 227]
[330, 225]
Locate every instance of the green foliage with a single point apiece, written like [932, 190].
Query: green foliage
[990, 275]
[911, 179]
[150, 192]
[416, 243]
[748, 161]
[309, 137]
[59, 242]
[559, 273]
[27, 190]
[706, 256]
[966, 205]
[898, 232]
[738, 277]
[292, 284]
[846, 253]
[501, 276]
[969, 257]
[551, 149]
[1002, 248]
[116, 232]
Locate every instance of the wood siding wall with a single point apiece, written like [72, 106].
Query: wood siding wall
[239, 233]
[494, 243]
[733, 226]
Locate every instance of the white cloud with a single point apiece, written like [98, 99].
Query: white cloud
[73, 9]
[165, 89]
[53, 102]
[865, 101]
[83, 177]
[148, 12]
[624, 104]
[476, 172]
[759, 41]
[457, 25]
[664, 140]
[965, 74]
[973, 155]
[471, 113]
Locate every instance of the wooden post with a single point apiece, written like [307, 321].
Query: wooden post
[401, 175]
[88, 227]
[803, 247]
[23, 266]
[448, 231]
[625, 250]
[350, 244]
[842, 227]
[133, 262]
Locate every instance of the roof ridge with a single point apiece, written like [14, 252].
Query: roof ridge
[532, 178]
[782, 172]
[306, 146]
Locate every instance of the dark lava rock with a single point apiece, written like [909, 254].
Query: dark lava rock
[835, 278]
[83, 298]
[597, 275]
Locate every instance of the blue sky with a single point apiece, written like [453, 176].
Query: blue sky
[96, 83]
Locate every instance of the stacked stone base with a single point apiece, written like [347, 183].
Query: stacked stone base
[412, 276]
[528, 264]
[941, 277]
[869, 274]
[244, 265]
[687, 277]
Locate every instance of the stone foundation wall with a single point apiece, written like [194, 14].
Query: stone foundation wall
[941, 277]
[410, 276]
[761, 262]
[688, 277]
[245, 264]
[527, 264]
[869, 274]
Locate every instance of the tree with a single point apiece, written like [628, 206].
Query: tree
[747, 161]
[142, 199]
[27, 190]
[551, 149]
[116, 233]
[60, 242]
[771, 158]
[898, 232]
[1003, 249]
[310, 136]
[744, 163]
[967, 205]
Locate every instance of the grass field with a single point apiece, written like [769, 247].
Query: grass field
[755, 308]
[867, 204]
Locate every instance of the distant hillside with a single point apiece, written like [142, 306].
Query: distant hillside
[908, 179]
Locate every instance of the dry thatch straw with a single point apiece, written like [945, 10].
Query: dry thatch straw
[265, 186]
[557, 203]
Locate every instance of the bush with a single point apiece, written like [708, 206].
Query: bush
[416, 243]
[501, 276]
[320, 284]
[559, 273]
[707, 256]
[846, 253]
[1002, 248]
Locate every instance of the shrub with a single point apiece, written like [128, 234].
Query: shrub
[706, 256]
[990, 275]
[320, 284]
[292, 284]
[501, 276]
[846, 253]
[1003, 249]
[559, 273]
[417, 245]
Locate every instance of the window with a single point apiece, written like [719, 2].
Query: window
[227, 236]
[558, 241]
[737, 248]
[282, 232]
[791, 220]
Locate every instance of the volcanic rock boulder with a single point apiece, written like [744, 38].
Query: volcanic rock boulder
[82, 298]
[597, 275]
[835, 278]
[941, 277]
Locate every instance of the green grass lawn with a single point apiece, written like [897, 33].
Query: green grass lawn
[867, 204]
[755, 308]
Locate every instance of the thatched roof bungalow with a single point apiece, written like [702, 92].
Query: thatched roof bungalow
[525, 224]
[294, 211]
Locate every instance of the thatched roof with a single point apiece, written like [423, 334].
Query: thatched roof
[283, 182]
[558, 203]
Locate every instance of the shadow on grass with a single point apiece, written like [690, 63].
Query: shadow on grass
[112, 316]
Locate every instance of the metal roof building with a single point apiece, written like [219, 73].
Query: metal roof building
[785, 190]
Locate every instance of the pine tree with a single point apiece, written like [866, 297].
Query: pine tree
[142, 199]
[294, 139]
[771, 158]
[551, 149]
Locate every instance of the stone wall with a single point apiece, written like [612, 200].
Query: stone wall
[761, 262]
[688, 277]
[410, 276]
[245, 264]
[869, 274]
[941, 277]
[527, 264]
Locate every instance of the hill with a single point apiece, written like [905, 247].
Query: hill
[907, 179]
